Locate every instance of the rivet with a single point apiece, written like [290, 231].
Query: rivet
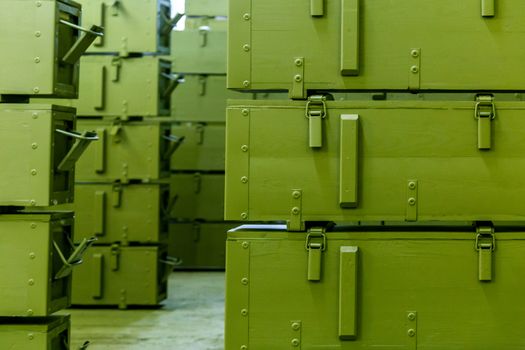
[244, 148]
[31, 282]
[244, 312]
[32, 255]
[414, 69]
[33, 225]
[37, 59]
[246, 83]
[296, 194]
[414, 53]
[34, 145]
[412, 185]
[296, 326]
[411, 316]
[55, 202]
[33, 171]
[244, 216]
[35, 115]
[298, 78]
[244, 179]
[245, 245]
[38, 33]
[298, 62]
[30, 336]
[245, 112]
[244, 281]
[412, 201]
[246, 47]
[246, 16]
[33, 202]
[411, 332]
[38, 3]
[244, 347]
[295, 342]
[36, 89]
[295, 211]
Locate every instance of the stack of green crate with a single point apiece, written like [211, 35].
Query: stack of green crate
[400, 206]
[124, 91]
[41, 45]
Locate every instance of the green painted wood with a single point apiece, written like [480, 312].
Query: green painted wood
[201, 51]
[203, 147]
[132, 150]
[431, 274]
[200, 196]
[434, 143]
[35, 333]
[129, 26]
[199, 245]
[139, 279]
[30, 175]
[141, 216]
[37, 43]
[29, 262]
[441, 45]
[210, 8]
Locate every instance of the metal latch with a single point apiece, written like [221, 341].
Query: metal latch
[315, 245]
[203, 31]
[315, 113]
[116, 65]
[114, 258]
[485, 246]
[484, 113]
[116, 194]
[197, 183]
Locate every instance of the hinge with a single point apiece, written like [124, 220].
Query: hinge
[485, 246]
[315, 245]
[315, 112]
[115, 132]
[484, 113]
[114, 259]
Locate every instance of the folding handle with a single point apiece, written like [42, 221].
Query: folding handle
[348, 161]
[83, 43]
[487, 8]
[74, 259]
[82, 142]
[175, 80]
[176, 142]
[167, 209]
[349, 37]
[170, 23]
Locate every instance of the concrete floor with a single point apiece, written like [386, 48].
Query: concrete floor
[192, 318]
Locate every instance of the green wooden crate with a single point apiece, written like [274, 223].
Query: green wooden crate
[130, 26]
[393, 160]
[199, 245]
[38, 169]
[122, 276]
[207, 8]
[126, 213]
[376, 287]
[31, 245]
[36, 36]
[436, 45]
[203, 147]
[201, 51]
[35, 333]
[202, 98]
[125, 87]
[199, 196]
[214, 23]
[125, 151]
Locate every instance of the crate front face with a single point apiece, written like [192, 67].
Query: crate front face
[199, 51]
[199, 245]
[199, 196]
[38, 42]
[127, 151]
[49, 333]
[35, 151]
[121, 276]
[203, 147]
[130, 27]
[377, 289]
[31, 263]
[209, 8]
[389, 160]
[357, 45]
[202, 98]
[121, 213]
[108, 87]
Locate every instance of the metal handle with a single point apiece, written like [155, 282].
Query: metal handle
[177, 141]
[82, 142]
[74, 259]
[487, 8]
[82, 29]
[349, 37]
[170, 22]
[175, 80]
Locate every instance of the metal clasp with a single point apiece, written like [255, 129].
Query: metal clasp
[484, 113]
[485, 245]
[315, 112]
[315, 245]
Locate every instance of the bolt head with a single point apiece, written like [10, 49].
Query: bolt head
[246, 16]
[244, 281]
[412, 201]
[244, 148]
[36, 89]
[245, 245]
[245, 112]
[31, 282]
[296, 194]
[38, 33]
[414, 53]
[411, 316]
[244, 216]
[246, 47]
[412, 185]
[295, 342]
[244, 312]
[32, 255]
[414, 69]
[29, 312]
[246, 83]
[298, 62]
[298, 78]
[411, 332]
[296, 326]
[30, 336]
[295, 211]
[244, 347]
[244, 179]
